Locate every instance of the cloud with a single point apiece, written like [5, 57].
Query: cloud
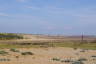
[3, 14]
[21, 0]
[85, 16]
[33, 7]
[80, 16]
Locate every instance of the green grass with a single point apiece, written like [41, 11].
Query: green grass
[18, 46]
[76, 45]
[56, 44]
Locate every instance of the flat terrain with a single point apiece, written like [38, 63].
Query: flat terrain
[29, 38]
[51, 55]
[48, 49]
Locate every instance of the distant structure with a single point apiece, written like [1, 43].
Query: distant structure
[82, 38]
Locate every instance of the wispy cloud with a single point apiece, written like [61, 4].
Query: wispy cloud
[81, 15]
[33, 7]
[21, 0]
[3, 14]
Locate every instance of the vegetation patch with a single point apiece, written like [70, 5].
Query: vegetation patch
[3, 59]
[93, 56]
[55, 59]
[3, 52]
[9, 36]
[27, 53]
[66, 61]
[14, 50]
[82, 59]
[77, 62]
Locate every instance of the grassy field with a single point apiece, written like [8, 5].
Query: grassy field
[76, 45]
[56, 44]
[7, 40]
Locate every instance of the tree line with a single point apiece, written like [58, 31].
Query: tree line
[9, 36]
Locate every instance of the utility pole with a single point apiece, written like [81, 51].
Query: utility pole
[82, 38]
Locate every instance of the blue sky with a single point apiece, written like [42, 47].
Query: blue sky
[67, 17]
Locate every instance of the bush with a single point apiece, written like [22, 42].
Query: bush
[83, 50]
[75, 48]
[3, 52]
[27, 53]
[66, 61]
[82, 59]
[93, 56]
[14, 50]
[17, 57]
[77, 62]
[4, 59]
[94, 41]
[56, 59]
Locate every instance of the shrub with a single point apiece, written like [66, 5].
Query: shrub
[27, 53]
[3, 52]
[75, 48]
[56, 59]
[3, 59]
[82, 50]
[66, 61]
[82, 59]
[14, 50]
[77, 62]
[93, 56]
[94, 41]
[8, 59]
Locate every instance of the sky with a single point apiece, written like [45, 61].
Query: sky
[65, 17]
